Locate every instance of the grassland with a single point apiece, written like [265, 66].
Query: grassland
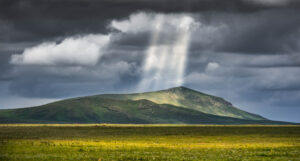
[94, 142]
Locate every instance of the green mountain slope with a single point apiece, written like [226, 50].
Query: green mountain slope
[133, 108]
[104, 110]
[190, 99]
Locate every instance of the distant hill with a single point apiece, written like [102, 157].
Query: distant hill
[178, 105]
[189, 99]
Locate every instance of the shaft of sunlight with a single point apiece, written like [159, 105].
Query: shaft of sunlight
[166, 56]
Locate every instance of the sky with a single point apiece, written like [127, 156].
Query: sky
[246, 51]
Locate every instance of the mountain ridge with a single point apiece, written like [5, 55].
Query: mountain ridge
[128, 108]
[189, 98]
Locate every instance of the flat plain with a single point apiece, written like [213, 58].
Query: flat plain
[106, 142]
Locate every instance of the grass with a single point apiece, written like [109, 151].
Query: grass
[148, 142]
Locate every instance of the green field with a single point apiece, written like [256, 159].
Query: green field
[148, 142]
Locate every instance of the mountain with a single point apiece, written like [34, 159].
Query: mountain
[175, 105]
[189, 99]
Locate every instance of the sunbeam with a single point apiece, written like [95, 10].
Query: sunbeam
[166, 56]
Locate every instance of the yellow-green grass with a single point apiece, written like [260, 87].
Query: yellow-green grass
[148, 142]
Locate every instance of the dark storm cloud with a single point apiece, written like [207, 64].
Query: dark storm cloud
[135, 40]
[4, 67]
[249, 30]
[116, 72]
[40, 19]
[6, 50]
[264, 32]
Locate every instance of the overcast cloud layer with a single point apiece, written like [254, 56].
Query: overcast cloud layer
[247, 51]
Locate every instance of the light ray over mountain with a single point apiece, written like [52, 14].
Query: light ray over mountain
[166, 56]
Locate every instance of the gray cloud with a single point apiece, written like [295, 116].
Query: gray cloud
[263, 32]
[271, 2]
[40, 20]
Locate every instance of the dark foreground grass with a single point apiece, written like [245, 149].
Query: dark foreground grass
[148, 142]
